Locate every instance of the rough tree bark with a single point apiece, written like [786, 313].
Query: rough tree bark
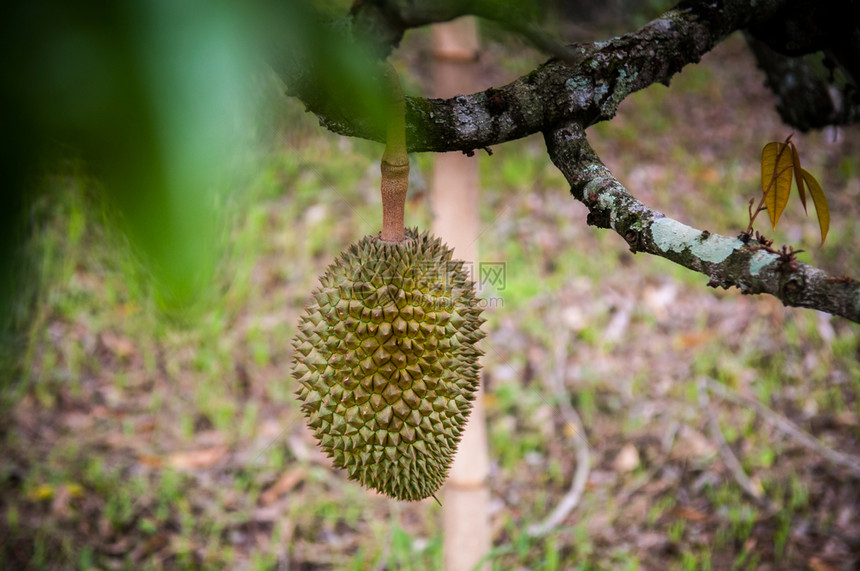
[565, 95]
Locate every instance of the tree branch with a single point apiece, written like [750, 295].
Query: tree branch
[801, 27]
[809, 95]
[573, 423]
[382, 23]
[587, 91]
[726, 261]
[847, 461]
[561, 98]
[752, 489]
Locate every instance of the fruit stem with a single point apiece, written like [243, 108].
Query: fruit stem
[395, 161]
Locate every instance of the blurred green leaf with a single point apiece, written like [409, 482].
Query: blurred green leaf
[158, 97]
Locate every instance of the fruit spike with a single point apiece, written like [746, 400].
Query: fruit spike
[386, 362]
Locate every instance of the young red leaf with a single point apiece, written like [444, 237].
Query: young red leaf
[820, 201]
[798, 177]
[776, 171]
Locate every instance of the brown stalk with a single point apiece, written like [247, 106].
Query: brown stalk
[395, 161]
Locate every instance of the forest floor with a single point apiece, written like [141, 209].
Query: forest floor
[721, 428]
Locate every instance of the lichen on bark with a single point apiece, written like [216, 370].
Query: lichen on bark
[565, 95]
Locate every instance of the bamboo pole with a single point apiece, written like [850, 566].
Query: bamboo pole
[454, 198]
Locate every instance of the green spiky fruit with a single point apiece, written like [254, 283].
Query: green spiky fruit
[387, 364]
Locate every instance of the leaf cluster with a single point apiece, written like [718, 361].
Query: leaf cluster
[780, 164]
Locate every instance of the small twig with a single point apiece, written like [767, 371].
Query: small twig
[583, 458]
[847, 461]
[752, 489]
[763, 240]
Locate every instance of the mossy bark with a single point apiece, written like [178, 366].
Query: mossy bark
[562, 97]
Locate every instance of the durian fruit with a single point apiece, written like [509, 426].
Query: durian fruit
[386, 362]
